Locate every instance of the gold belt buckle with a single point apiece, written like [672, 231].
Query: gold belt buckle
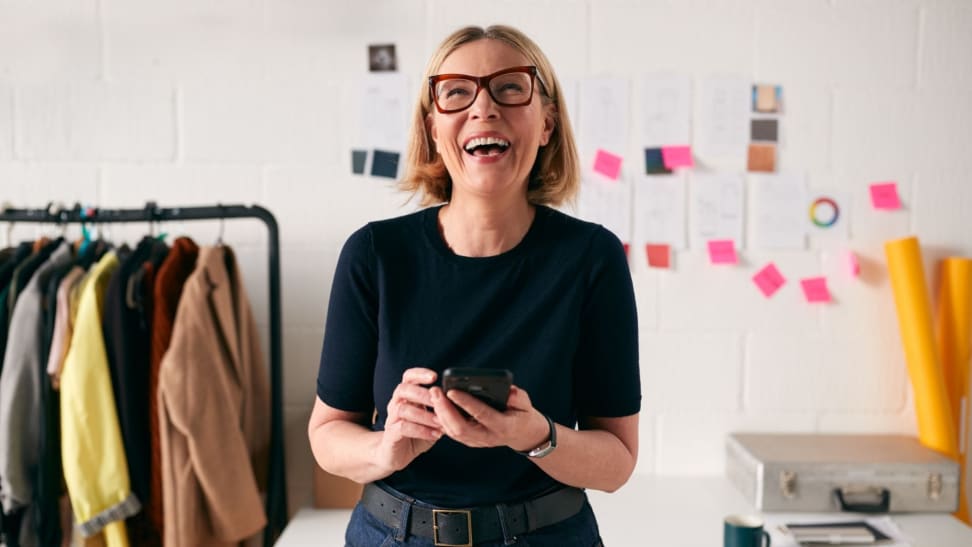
[435, 527]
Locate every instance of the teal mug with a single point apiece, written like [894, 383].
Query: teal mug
[744, 531]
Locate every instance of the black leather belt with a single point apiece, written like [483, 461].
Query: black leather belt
[463, 527]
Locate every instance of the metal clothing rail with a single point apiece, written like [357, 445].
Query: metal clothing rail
[277, 485]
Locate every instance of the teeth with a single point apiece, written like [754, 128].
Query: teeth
[483, 141]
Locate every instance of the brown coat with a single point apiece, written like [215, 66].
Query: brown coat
[214, 411]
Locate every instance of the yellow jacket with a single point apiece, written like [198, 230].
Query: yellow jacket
[93, 455]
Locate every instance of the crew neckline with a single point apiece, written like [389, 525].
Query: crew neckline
[435, 239]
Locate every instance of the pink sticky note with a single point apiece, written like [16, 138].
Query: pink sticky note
[769, 280]
[607, 164]
[677, 156]
[722, 251]
[815, 289]
[884, 195]
[853, 265]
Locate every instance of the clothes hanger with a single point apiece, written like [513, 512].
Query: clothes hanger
[222, 224]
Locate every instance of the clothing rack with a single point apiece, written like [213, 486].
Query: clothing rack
[277, 486]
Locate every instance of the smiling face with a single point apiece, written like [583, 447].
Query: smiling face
[490, 149]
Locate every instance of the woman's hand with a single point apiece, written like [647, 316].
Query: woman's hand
[410, 428]
[521, 427]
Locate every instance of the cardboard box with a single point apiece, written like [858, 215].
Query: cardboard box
[333, 492]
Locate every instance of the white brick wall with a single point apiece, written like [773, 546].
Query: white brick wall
[116, 102]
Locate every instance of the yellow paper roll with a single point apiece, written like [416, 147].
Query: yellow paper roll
[936, 429]
[954, 328]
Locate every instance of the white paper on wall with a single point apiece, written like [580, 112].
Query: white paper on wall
[779, 211]
[384, 111]
[659, 213]
[722, 128]
[715, 208]
[666, 110]
[603, 122]
[828, 216]
[607, 203]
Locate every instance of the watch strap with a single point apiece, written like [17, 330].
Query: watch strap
[547, 446]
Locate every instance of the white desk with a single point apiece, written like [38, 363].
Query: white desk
[675, 512]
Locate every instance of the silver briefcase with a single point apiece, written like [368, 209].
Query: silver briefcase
[855, 473]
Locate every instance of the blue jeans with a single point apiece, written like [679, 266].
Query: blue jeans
[580, 530]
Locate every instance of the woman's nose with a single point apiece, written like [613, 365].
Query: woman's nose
[483, 105]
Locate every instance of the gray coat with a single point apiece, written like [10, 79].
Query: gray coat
[20, 389]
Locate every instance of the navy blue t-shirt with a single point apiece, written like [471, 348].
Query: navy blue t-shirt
[557, 310]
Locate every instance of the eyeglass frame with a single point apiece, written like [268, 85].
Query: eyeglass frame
[483, 82]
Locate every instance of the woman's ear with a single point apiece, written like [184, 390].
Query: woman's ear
[549, 123]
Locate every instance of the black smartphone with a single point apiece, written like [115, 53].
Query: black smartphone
[491, 385]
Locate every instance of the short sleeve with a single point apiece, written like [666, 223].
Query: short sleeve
[346, 372]
[607, 379]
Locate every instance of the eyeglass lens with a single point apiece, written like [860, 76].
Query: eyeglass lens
[510, 89]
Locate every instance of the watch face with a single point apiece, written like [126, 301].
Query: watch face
[542, 451]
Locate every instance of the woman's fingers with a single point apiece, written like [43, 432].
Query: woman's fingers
[417, 414]
[413, 430]
[408, 409]
[419, 375]
[519, 399]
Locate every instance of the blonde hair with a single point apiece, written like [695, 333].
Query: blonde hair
[555, 176]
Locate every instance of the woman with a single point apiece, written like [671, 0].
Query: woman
[492, 278]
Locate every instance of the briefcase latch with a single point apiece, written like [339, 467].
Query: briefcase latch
[934, 486]
[788, 484]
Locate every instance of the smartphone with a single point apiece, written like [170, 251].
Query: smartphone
[491, 385]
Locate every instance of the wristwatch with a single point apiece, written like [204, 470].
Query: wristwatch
[545, 448]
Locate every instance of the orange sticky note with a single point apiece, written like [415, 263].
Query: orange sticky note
[762, 158]
[677, 156]
[884, 195]
[815, 289]
[722, 251]
[853, 265]
[658, 255]
[607, 164]
[769, 280]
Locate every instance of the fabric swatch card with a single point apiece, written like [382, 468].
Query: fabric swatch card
[762, 158]
[607, 164]
[722, 251]
[659, 255]
[677, 156]
[764, 130]
[815, 289]
[358, 158]
[655, 163]
[769, 280]
[767, 98]
[384, 164]
[884, 195]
